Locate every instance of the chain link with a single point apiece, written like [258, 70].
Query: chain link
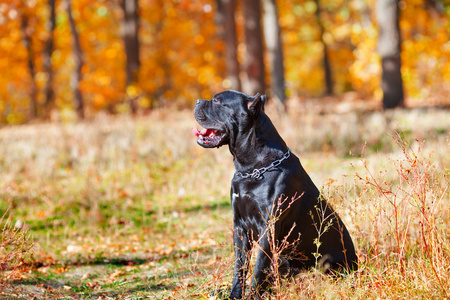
[257, 173]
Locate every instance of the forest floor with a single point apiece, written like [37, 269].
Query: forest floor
[131, 208]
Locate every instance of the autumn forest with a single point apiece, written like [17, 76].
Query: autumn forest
[105, 193]
[75, 58]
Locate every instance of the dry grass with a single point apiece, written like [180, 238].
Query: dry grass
[125, 207]
[15, 249]
[399, 218]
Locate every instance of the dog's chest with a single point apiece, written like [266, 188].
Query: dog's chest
[250, 211]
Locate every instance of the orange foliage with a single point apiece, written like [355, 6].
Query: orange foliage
[182, 56]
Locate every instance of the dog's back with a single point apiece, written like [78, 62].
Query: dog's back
[306, 216]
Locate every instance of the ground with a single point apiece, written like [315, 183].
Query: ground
[131, 208]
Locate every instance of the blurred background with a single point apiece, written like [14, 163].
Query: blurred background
[69, 59]
[105, 193]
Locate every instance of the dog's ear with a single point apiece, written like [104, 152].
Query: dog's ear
[256, 103]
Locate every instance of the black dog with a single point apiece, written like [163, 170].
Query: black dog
[270, 183]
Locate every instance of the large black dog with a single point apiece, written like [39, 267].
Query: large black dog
[270, 184]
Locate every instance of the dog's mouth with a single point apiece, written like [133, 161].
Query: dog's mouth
[209, 137]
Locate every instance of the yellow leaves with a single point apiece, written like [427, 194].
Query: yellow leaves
[104, 80]
[310, 7]
[164, 249]
[40, 214]
[132, 90]
[145, 102]
[182, 56]
[328, 38]
[356, 30]
[291, 37]
[204, 74]
[171, 12]
[199, 40]
[93, 285]
[123, 194]
[112, 53]
[116, 274]
[62, 269]
[98, 100]
[287, 20]
[343, 31]
[102, 11]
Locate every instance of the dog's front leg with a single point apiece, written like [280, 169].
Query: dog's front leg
[241, 251]
[260, 278]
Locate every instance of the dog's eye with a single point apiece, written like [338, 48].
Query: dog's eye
[216, 101]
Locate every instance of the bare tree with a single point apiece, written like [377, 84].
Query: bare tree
[436, 6]
[131, 39]
[389, 45]
[272, 34]
[131, 43]
[77, 75]
[325, 59]
[47, 56]
[78, 59]
[27, 31]
[226, 10]
[254, 61]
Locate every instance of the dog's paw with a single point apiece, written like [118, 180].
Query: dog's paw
[232, 297]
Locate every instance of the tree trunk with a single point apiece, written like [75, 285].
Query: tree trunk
[78, 59]
[27, 31]
[131, 43]
[227, 8]
[272, 33]
[161, 55]
[389, 45]
[47, 59]
[131, 39]
[326, 60]
[254, 61]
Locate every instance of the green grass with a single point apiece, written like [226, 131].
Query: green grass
[133, 208]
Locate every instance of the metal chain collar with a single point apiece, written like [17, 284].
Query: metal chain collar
[256, 174]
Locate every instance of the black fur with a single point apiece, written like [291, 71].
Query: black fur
[242, 124]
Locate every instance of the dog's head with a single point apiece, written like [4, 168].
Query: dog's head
[225, 116]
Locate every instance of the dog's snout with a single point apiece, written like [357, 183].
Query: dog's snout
[199, 101]
[198, 112]
[197, 105]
